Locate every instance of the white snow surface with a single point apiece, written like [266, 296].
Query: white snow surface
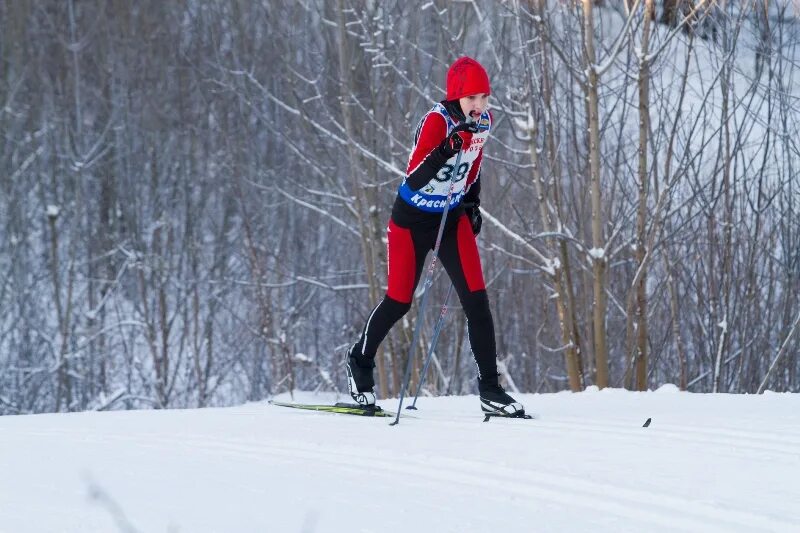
[706, 463]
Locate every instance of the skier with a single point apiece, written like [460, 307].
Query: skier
[461, 122]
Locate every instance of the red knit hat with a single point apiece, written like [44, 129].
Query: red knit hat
[465, 78]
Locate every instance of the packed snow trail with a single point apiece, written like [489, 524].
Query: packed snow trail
[706, 463]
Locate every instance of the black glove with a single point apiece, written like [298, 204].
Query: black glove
[453, 143]
[473, 211]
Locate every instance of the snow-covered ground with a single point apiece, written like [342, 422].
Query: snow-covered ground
[706, 463]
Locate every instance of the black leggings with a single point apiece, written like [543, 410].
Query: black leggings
[458, 253]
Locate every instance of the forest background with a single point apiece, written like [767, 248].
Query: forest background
[194, 194]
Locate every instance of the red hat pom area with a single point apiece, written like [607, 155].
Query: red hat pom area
[465, 78]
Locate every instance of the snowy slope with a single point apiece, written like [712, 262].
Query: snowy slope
[707, 463]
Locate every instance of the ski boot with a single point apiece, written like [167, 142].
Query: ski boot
[495, 401]
[359, 378]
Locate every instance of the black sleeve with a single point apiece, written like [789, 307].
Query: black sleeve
[427, 169]
[474, 192]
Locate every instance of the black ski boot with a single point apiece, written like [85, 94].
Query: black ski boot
[495, 401]
[359, 378]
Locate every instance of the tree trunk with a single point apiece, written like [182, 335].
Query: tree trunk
[598, 239]
[357, 189]
[641, 232]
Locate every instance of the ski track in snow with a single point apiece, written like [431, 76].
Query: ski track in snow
[445, 465]
[662, 510]
[719, 437]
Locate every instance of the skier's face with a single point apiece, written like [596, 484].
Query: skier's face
[474, 105]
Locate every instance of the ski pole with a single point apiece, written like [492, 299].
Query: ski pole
[422, 305]
[436, 332]
[425, 287]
